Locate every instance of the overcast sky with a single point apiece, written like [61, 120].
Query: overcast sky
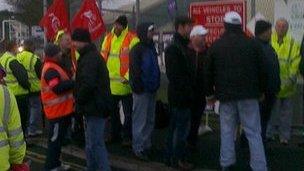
[4, 6]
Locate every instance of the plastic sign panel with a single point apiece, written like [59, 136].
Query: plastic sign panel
[211, 14]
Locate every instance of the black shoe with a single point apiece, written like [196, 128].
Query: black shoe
[141, 156]
[126, 143]
[229, 168]
[185, 166]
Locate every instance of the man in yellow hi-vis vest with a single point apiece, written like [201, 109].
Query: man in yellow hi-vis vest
[115, 51]
[16, 80]
[288, 51]
[12, 145]
[33, 65]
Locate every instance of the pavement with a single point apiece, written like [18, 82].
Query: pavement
[75, 157]
[205, 157]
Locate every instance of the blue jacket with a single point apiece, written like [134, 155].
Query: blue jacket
[144, 69]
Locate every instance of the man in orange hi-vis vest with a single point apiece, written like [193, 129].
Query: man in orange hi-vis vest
[57, 98]
[115, 51]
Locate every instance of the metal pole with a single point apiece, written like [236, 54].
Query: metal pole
[137, 12]
[252, 8]
[44, 12]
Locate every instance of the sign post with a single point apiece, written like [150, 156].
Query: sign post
[211, 14]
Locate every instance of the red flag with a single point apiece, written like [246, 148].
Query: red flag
[89, 17]
[55, 19]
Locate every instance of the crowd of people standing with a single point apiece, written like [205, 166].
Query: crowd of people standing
[250, 76]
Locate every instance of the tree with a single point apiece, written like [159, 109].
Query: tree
[28, 12]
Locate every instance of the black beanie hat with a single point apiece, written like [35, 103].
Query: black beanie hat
[261, 26]
[51, 50]
[122, 20]
[81, 35]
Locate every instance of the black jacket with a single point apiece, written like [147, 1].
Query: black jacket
[301, 65]
[272, 68]
[179, 73]
[197, 66]
[20, 74]
[144, 69]
[234, 67]
[92, 90]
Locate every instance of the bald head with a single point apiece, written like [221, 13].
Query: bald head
[281, 27]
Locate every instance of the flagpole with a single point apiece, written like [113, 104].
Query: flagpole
[137, 12]
[44, 12]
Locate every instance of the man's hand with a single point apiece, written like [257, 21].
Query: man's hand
[124, 80]
[211, 100]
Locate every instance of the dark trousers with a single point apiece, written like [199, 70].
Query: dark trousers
[265, 111]
[119, 130]
[196, 115]
[56, 135]
[177, 134]
[23, 106]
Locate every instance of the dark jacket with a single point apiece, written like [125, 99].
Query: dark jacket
[301, 65]
[272, 68]
[38, 68]
[92, 92]
[20, 74]
[179, 73]
[234, 67]
[197, 66]
[144, 69]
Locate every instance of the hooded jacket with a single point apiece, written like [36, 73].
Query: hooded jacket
[144, 69]
[235, 67]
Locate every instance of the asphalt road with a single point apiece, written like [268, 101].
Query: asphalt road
[36, 157]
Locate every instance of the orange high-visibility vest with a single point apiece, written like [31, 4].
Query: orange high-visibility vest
[55, 106]
[124, 51]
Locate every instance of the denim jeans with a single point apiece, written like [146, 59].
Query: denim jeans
[57, 132]
[35, 113]
[281, 118]
[178, 132]
[247, 112]
[119, 130]
[96, 152]
[143, 121]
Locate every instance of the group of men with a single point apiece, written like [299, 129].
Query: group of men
[254, 79]
[249, 76]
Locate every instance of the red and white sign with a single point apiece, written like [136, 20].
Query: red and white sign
[211, 14]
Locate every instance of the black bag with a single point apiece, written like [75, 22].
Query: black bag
[162, 116]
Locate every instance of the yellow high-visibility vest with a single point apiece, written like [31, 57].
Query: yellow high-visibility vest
[12, 144]
[289, 58]
[113, 62]
[10, 79]
[28, 60]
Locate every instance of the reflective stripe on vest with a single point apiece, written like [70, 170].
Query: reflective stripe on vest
[54, 105]
[53, 102]
[3, 143]
[123, 54]
[7, 107]
[6, 110]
